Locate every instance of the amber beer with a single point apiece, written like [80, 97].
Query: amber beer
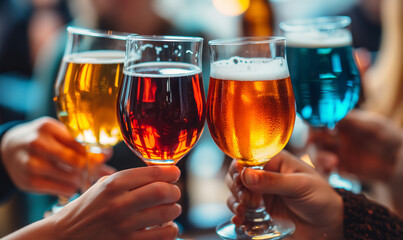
[162, 110]
[250, 109]
[86, 103]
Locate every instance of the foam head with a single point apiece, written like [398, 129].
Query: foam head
[162, 69]
[250, 69]
[97, 57]
[318, 39]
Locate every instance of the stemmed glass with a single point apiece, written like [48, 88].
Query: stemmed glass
[86, 91]
[324, 75]
[251, 114]
[161, 104]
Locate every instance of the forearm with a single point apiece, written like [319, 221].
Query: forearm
[42, 229]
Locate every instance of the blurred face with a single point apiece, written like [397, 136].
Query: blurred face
[122, 15]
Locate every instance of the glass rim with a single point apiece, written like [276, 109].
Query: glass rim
[246, 40]
[164, 38]
[98, 33]
[319, 23]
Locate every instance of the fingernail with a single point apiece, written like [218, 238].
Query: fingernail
[235, 207]
[235, 176]
[240, 194]
[251, 177]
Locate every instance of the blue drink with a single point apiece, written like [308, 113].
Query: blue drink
[326, 83]
[324, 76]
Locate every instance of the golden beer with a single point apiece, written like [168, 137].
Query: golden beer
[86, 101]
[250, 120]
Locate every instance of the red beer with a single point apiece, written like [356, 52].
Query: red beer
[162, 110]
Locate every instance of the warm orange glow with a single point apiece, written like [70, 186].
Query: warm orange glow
[307, 160]
[86, 101]
[231, 7]
[197, 90]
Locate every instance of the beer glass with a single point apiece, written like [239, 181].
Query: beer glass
[86, 92]
[324, 75]
[250, 115]
[161, 104]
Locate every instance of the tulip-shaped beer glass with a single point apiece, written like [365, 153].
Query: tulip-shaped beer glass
[251, 114]
[161, 104]
[86, 91]
[324, 76]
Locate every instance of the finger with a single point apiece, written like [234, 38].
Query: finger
[234, 188]
[168, 231]
[151, 195]
[62, 157]
[271, 182]
[235, 206]
[152, 216]
[235, 167]
[238, 220]
[50, 186]
[284, 162]
[326, 161]
[59, 131]
[44, 168]
[134, 178]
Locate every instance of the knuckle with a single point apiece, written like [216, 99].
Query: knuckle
[166, 214]
[44, 125]
[34, 144]
[110, 185]
[268, 180]
[156, 172]
[172, 232]
[160, 191]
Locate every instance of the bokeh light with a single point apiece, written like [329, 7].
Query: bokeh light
[231, 7]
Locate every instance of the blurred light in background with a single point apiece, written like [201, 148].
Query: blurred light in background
[206, 159]
[231, 7]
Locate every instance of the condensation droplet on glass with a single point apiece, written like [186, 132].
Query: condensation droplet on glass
[158, 50]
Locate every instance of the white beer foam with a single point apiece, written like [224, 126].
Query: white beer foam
[165, 69]
[97, 57]
[318, 39]
[250, 69]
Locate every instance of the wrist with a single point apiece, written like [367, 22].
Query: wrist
[38, 230]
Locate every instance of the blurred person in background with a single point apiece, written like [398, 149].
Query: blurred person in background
[25, 26]
[368, 142]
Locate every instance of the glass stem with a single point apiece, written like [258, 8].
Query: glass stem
[257, 220]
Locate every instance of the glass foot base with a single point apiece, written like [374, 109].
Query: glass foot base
[281, 229]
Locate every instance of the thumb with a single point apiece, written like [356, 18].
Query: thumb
[267, 182]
